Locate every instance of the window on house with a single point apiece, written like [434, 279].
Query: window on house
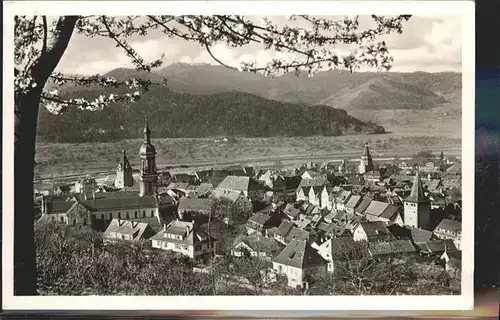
[62, 219]
[126, 214]
[74, 222]
[119, 215]
[135, 214]
[152, 213]
[144, 214]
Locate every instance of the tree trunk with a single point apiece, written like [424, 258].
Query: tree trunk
[26, 106]
[25, 114]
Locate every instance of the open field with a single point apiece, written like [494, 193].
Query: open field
[443, 121]
[68, 159]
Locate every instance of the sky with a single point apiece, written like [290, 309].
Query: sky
[431, 44]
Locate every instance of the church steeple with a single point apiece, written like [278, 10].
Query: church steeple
[366, 152]
[417, 190]
[148, 178]
[366, 163]
[417, 206]
[147, 131]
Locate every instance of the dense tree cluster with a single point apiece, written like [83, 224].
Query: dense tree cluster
[174, 115]
[76, 262]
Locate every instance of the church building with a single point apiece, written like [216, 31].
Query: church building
[149, 177]
[417, 206]
[366, 163]
[124, 178]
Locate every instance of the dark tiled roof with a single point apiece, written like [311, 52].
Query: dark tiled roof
[363, 205]
[296, 234]
[299, 254]
[121, 203]
[59, 206]
[390, 211]
[194, 204]
[437, 246]
[259, 243]
[259, 218]
[420, 235]
[284, 228]
[339, 245]
[388, 247]
[374, 228]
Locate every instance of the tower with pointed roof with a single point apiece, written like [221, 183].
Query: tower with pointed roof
[417, 206]
[148, 177]
[366, 163]
[124, 177]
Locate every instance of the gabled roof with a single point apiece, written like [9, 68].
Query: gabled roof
[353, 201]
[299, 254]
[236, 183]
[258, 243]
[284, 228]
[105, 203]
[292, 212]
[316, 181]
[317, 190]
[185, 229]
[451, 225]
[338, 245]
[303, 222]
[343, 196]
[305, 190]
[204, 189]
[194, 204]
[360, 209]
[59, 206]
[134, 228]
[420, 235]
[374, 228]
[388, 247]
[437, 246]
[417, 191]
[296, 234]
[376, 208]
[259, 218]
[231, 196]
[390, 211]
[355, 180]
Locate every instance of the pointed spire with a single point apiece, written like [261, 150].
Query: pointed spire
[366, 152]
[147, 132]
[417, 190]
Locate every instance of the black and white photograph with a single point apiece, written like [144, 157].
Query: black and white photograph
[299, 154]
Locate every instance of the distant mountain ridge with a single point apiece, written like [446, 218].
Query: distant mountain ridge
[418, 89]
